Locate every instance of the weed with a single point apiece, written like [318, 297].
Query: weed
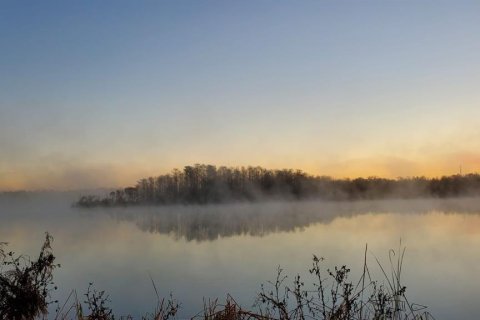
[25, 288]
[25, 285]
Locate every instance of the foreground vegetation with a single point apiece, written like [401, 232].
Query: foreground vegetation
[200, 184]
[26, 286]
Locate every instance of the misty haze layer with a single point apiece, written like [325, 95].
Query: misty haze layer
[207, 251]
[201, 184]
[98, 93]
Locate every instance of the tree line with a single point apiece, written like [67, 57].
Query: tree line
[202, 184]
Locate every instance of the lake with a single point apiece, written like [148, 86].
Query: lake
[210, 251]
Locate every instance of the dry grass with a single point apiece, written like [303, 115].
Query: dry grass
[25, 288]
[25, 284]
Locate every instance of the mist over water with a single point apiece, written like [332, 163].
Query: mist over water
[209, 251]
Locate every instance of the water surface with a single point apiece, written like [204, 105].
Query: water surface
[211, 251]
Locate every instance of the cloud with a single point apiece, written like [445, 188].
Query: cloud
[69, 176]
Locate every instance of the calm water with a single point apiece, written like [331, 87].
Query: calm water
[210, 251]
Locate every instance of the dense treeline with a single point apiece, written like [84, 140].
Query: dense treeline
[200, 184]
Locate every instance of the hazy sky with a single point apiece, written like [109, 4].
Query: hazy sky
[100, 93]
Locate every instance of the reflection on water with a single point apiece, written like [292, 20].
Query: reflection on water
[214, 250]
[202, 223]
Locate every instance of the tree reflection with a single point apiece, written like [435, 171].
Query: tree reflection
[207, 223]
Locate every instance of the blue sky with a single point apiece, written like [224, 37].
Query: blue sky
[100, 93]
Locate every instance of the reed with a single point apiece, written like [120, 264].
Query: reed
[328, 294]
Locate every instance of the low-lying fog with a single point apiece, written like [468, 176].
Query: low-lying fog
[209, 251]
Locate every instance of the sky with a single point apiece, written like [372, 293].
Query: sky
[103, 93]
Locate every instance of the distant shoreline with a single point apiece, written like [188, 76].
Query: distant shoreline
[208, 184]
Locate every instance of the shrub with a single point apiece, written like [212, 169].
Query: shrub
[25, 285]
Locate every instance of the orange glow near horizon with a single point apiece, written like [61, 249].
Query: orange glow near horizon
[119, 175]
[99, 101]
